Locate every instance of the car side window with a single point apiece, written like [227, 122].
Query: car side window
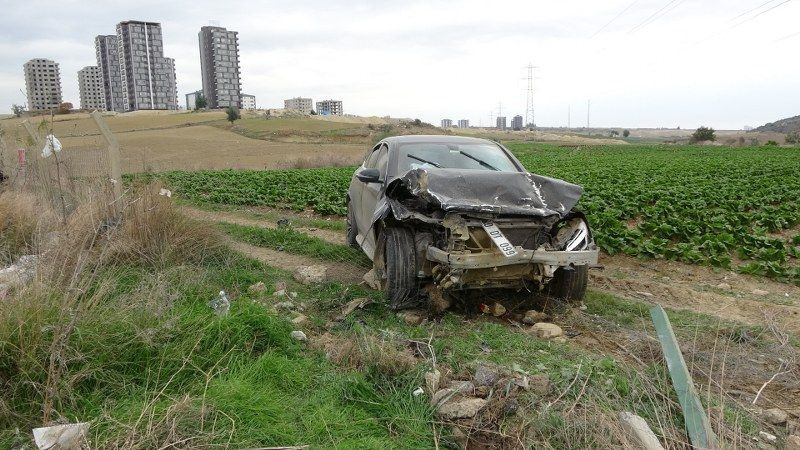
[382, 160]
[372, 159]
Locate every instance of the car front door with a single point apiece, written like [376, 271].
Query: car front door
[379, 159]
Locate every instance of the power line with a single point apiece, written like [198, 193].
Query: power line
[616, 17]
[648, 20]
[751, 10]
[786, 37]
[762, 12]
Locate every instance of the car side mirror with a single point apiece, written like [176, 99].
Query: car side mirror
[369, 175]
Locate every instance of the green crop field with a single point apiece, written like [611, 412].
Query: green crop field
[721, 206]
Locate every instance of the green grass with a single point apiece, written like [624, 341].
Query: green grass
[330, 223]
[293, 241]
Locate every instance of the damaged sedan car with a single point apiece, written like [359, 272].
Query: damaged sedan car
[448, 214]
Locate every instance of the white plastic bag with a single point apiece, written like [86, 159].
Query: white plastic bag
[51, 145]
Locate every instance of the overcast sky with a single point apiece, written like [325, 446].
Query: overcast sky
[645, 63]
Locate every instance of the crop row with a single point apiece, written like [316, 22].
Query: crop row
[711, 205]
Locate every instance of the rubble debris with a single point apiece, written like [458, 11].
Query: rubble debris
[285, 305]
[411, 318]
[461, 386]
[759, 292]
[775, 416]
[279, 293]
[300, 319]
[485, 375]
[438, 301]
[510, 407]
[298, 335]
[461, 409]
[20, 272]
[351, 306]
[257, 288]
[220, 304]
[310, 274]
[531, 317]
[546, 330]
[71, 436]
[792, 442]
[371, 280]
[645, 294]
[639, 432]
[539, 384]
[432, 379]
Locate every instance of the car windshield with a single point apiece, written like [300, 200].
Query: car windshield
[454, 156]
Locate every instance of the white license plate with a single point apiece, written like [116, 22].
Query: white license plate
[499, 239]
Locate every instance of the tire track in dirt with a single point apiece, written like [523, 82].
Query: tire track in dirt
[336, 271]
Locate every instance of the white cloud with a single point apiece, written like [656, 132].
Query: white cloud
[691, 66]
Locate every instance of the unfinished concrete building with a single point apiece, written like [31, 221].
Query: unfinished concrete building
[108, 64]
[302, 104]
[219, 64]
[90, 87]
[43, 84]
[330, 108]
[148, 78]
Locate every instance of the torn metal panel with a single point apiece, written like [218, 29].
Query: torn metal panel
[493, 192]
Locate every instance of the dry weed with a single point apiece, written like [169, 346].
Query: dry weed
[366, 352]
[320, 161]
[23, 219]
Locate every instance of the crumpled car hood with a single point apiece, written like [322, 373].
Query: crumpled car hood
[485, 191]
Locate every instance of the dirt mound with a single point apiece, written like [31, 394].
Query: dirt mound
[782, 126]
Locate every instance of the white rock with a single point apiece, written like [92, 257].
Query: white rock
[279, 293]
[461, 409]
[300, 319]
[257, 288]
[767, 436]
[310, 274]
[418, 391]
[298, 335]
[432, 380]
[547, 330]
[760, 292]
[775, 416]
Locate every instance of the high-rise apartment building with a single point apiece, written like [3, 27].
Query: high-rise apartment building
[219, 64]
[330, 108]
[463, 123]
[43, 84]
[108, 64]
[501, 122]
[191, 99]
[447, 123]
[301, 104]
[148, 78]
[90, 87]
[248, 102]
[516, 123]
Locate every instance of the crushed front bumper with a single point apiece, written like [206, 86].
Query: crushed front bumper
[483, 260]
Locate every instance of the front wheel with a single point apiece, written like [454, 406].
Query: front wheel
[569, 284]
[400, 257]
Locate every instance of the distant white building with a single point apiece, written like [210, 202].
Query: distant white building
[302, 104]
[248, 102]
[463, 123]
[191, 99]
[447, 123]
[90, 87]
[330, 108]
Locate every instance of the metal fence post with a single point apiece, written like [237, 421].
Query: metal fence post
[115, 169]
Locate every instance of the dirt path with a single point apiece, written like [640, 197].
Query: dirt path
[332, 236]
[721, 293]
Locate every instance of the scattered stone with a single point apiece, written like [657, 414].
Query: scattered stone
[775, 416]
[280, 286]
[482, 391]
[284, 305]
[442, 396]
[462, 440]
[298, 335]
[522, 382]
[547, 330]
[293, 294]
[411, 318]
[531, 317]
[310, 274]
[724, 286]
[432, 379]
[793, 427]
[485, 375]
[418, 391]
[484, 346]
[792, 442]
[165, 192]
[645, 294]
[510, 407]
[70, 436]
[300, 319]
[461, 409]
[767, 436]
[351, 306]
[257, 288]
[279, 293]
[463, 387]
[760, 292]
[540, 384]
[20, 272]
[497, 309]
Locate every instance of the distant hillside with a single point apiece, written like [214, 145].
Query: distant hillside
[782, 126]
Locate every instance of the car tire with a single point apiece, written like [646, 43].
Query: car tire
[400, 257]
[352, 229]
[569, 286]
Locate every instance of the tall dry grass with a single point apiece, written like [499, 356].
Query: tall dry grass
[24, 219]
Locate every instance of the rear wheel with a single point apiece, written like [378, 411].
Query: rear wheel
[352, 229]
[569, 284]
[400, 256]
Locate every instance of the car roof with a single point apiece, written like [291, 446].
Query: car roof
[421, 138]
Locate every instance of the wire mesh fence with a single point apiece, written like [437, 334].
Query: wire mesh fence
[66, 174]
